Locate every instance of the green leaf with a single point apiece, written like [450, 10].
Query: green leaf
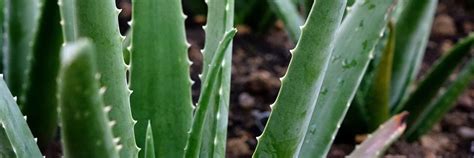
[16, 128]
[436, 109]
[68, 21]
[212, 81]
[377, 100]
[6, 149]
[21, 20]
[85, 128]
[292, 110]
[98, 21]
[358, 34]
[376, 144]
[429, 87]
[2, 31]
[288, 13]
[149, 144]
[126, 45]
[160, 75]
[413, 24]
[39, 102]
[220, 19]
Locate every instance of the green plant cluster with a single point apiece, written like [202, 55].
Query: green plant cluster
[64, 61]
[388, 85]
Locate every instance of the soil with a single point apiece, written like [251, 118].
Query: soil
[260, 60]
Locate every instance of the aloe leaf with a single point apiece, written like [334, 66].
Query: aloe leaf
[39, 102]
[16, 128]
[376, 144]
[428, 88]
[292, 110]
[68, 21]
[212, 81]
[6, 149]
[2, 31]
[160, 75]
[413, 25]
[21, 19]
[98, 21]
[287, 11]
[358, 34]
[378, 99]
[374, 87]
[436, 110]
[81, 106]
[149, 144]
[219, 20]
[125, 46]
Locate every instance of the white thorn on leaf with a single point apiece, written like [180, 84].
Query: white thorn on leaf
[102, 90]
[107, 109]
[116, 140]
[112, 123]
[119, 147]
[97, 76]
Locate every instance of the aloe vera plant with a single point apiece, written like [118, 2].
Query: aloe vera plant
[292, 111]
[219, 22]
[101, 117]
[21, 19]
[414, 24]
[97, 20]
[38, 100]
[82, 106]
[158, 64]
[20, 140]
[381, 139]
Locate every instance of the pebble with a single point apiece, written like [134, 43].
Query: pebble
[444, 26]
[466, 132]
[246, 101]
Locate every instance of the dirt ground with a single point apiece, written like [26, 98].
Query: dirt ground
[260, 60]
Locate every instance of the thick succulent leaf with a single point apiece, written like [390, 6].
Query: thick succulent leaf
[16, 128]
[219, 20]
[126, 45]
[21, 20]
[39, 102]
[357, 119]
[436, 110]
[2, 31]
[68, 22]
[356, 38]
[287, 11]
[428, 88]
[160, 75]
[292, 110]
[377, 101]
[149, 144]
[85, 128]
[6, 149]
[413, 24]
[98, 21]
[212, 81]
[376, 143]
